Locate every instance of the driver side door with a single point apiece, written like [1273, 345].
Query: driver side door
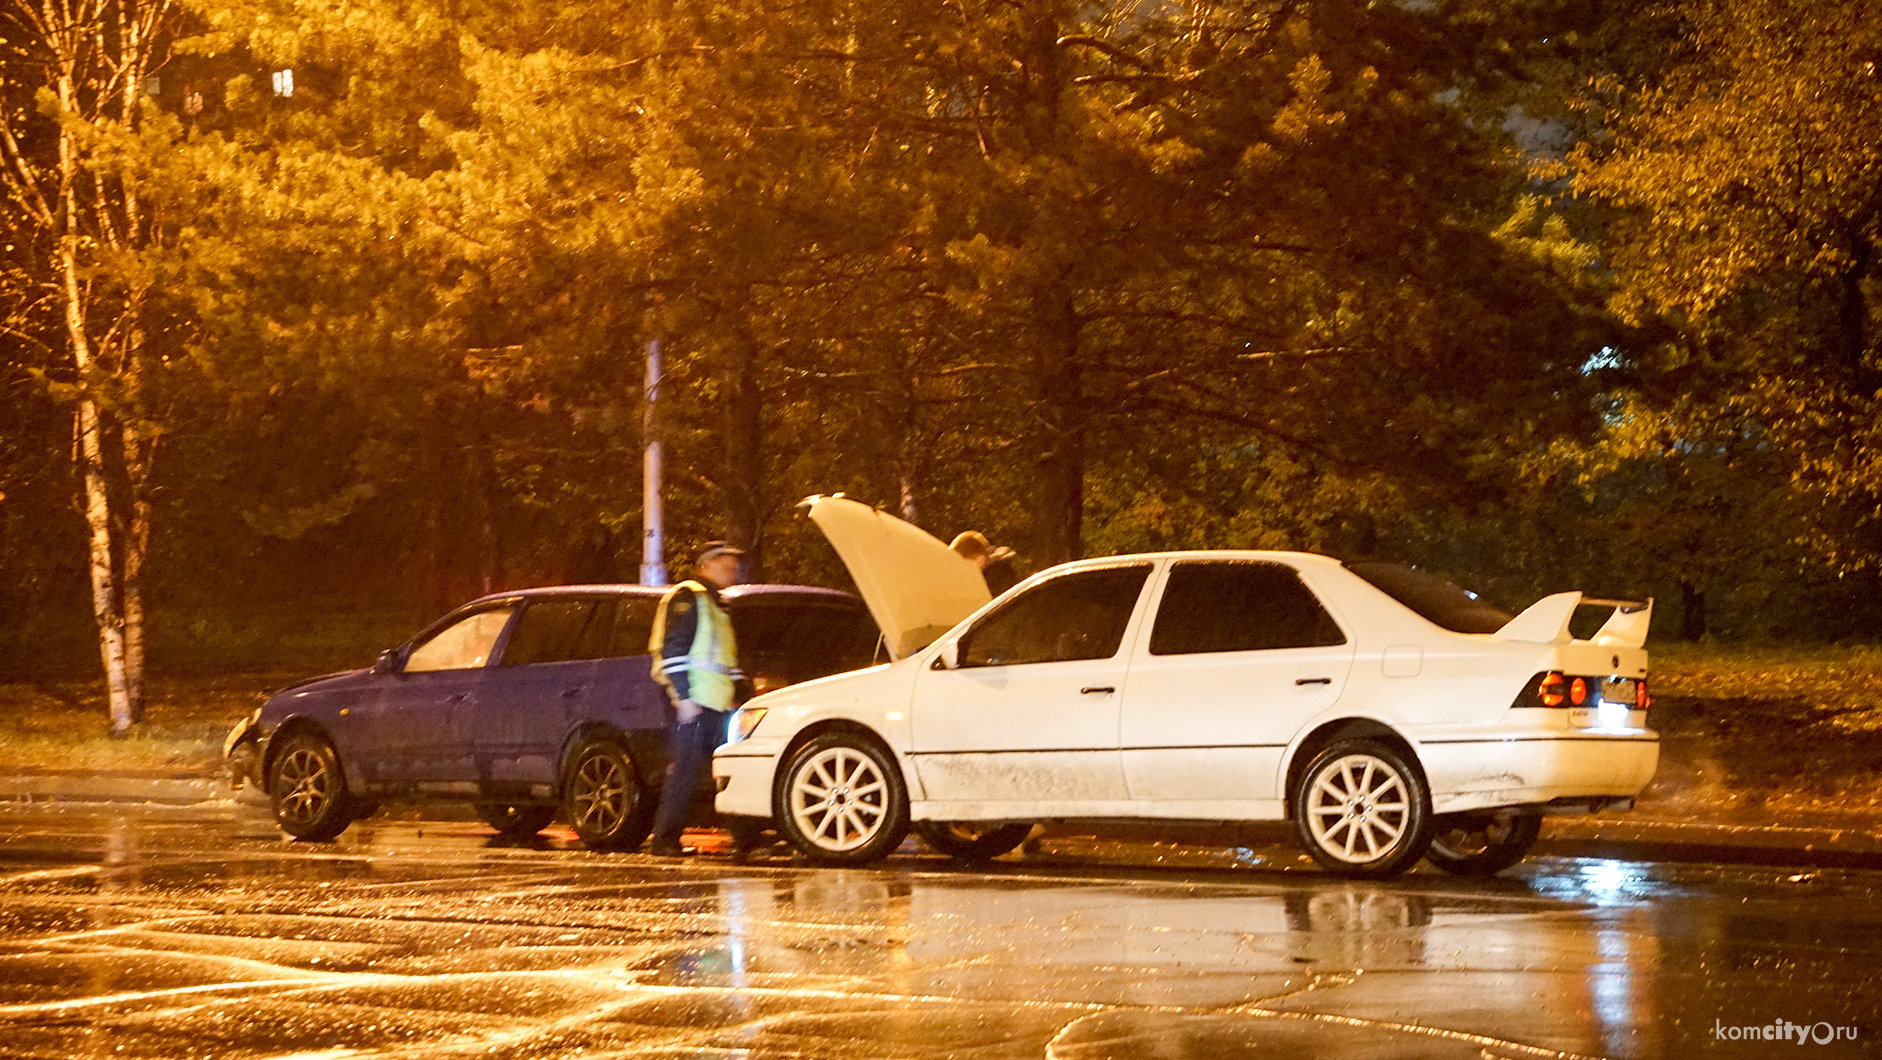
[1031, 712]
[418, 729]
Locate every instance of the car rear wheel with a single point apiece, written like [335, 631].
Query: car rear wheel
[972, 840]
[841, 800]
[1361, 809]
[1482, 843]
[512, 819]
[308, 789]
[602, 798]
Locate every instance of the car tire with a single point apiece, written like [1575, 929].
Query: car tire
[746, 832]
[841, 800]
[307, 789]
[515, 819]
[1361, 809]
[970, 840]
[1482, 843]
[602, 797]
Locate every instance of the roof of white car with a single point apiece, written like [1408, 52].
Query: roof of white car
[1269, 555]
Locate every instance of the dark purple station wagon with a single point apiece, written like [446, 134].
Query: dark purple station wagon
[527, 704]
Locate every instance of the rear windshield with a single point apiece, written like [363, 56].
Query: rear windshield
[797, 641]
[1435, 599]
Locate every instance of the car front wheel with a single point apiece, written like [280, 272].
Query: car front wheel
[1482, 843]
[308, 789]
[1361, 809]
[602, 798]
[841, 800]
[971, 840]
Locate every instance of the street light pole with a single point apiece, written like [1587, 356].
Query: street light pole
[653, 567]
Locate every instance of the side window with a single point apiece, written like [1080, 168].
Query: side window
[633, 625]
[560, 630]
[580, 629]
[1075, 616]
[463, 645]
[1227, 606]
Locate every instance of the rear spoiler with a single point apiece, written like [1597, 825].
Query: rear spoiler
[1546, 621]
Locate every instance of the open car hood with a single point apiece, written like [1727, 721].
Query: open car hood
[916, 587]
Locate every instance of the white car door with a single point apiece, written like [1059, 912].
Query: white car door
[1240, 654]
[1030, 711]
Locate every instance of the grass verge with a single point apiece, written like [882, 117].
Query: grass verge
[64, 725]
[1835, 684]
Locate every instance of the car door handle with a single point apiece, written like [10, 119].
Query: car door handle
[457, 697]
[1313, 681]
[571, 693]
[1095, 689]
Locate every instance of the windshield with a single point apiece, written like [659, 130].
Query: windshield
[1433, 598]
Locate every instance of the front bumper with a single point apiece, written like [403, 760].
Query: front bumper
[241, 754]
[744, 783]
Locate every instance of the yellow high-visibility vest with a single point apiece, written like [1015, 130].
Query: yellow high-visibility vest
[713, 657]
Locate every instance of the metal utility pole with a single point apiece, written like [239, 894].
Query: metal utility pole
[653, 567]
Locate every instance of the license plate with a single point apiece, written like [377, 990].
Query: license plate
[1610, 710]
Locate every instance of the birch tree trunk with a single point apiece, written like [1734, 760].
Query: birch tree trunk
[107, 600]
[85, 206]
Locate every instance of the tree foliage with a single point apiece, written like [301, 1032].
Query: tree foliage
[1087, 277]
[1745, 167]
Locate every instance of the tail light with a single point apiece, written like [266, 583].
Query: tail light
[1557, 689]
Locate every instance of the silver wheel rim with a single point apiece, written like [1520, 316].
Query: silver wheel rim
[600, 795]
[303, 785]
[839, 799]
[1358, 807]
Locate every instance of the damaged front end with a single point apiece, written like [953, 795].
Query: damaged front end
[241, 753]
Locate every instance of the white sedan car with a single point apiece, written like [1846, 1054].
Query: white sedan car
[1387, 714]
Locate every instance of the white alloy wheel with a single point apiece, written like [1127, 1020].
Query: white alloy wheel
[843, 800]
[1362, 810]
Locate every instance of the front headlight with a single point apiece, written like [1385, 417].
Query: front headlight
[744, 720]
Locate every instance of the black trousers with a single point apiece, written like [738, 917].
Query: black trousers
[689, 767]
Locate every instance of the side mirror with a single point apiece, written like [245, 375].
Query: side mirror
[390, 661]
[948, 658]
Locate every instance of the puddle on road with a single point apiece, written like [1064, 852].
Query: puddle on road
[381, 946]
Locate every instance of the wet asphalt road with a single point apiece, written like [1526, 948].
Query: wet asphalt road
[162, 932]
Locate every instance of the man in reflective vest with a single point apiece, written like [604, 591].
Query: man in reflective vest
[696, 658]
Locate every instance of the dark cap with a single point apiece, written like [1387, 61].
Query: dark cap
[715, 549]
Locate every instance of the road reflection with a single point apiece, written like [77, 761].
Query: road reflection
[166, 933]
